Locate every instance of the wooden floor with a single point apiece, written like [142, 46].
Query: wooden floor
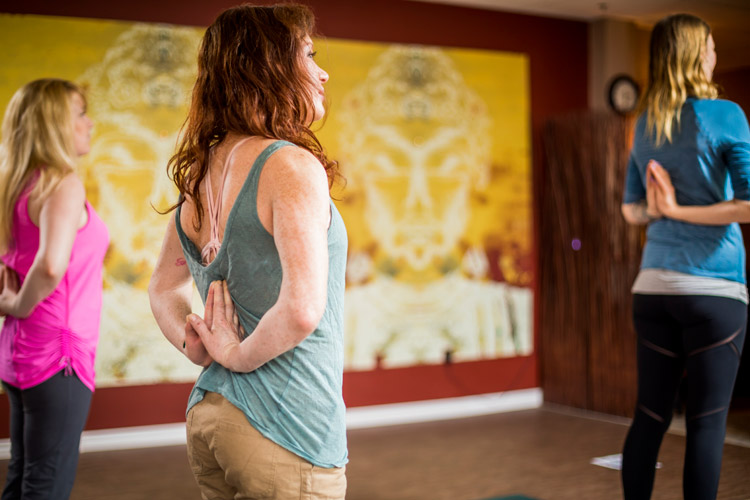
[542, 453]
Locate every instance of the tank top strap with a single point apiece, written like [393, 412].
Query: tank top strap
[254, 176]
[209, 251]
[22, 204]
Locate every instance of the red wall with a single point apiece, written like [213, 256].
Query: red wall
[735, 84]
[557, 51]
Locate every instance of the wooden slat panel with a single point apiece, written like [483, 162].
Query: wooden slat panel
[589, 259]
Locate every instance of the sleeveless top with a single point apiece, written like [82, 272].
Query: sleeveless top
[62, 331]
[295, 399]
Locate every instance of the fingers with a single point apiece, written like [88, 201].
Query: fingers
[190, 332]
[231, 312]
[219, 309]
[657, 170]
[238, 326]
[208, 313]
[228, 302]
[10, 279]
[7, 279]
[198, 325]
[660, 175]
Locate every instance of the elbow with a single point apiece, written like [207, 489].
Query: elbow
[154, 291]
[626, 213]
[744, 211]
[305, 319]
[52, 272]
[151, 289]
[629, 214]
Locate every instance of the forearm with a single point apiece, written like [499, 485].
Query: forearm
[637, 213]
[718, 214]
[276, 333]
[170, 308]
[37, 286]
[170, 289]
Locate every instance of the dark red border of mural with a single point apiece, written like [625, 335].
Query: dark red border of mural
[558, 62]
[127, 406]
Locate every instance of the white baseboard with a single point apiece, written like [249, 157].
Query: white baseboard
[150, 436]
[442, 409]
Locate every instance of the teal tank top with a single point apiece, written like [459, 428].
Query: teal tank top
[295, 399]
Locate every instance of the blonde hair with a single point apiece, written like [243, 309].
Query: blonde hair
[678, 46]
[37, 136]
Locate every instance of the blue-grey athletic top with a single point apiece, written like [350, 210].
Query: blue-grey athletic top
[709, 162]
[295, 399]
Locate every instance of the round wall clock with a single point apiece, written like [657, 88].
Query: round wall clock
[623, 94]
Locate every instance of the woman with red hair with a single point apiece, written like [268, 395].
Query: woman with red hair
[256, 231]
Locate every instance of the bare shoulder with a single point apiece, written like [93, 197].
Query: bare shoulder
[66, 200]
[70, 186]
[295, 167]
[69, 191]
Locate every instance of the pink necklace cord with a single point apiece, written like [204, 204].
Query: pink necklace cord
[211, 249]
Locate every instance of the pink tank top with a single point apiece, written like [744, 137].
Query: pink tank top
[63, 330]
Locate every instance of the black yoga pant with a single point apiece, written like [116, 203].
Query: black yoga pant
[46, 422]
[699, 336]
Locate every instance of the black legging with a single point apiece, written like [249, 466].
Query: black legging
[701, 336]
[45, 430]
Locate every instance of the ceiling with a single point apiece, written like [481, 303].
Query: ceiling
[729, 19]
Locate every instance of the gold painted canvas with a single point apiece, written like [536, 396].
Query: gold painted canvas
[434, 144]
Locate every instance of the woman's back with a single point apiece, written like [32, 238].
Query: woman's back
[707, 161]
[63, 329]
[272, 254]
[294, 399]
[703, 155]
[237, 169]
[245, 243]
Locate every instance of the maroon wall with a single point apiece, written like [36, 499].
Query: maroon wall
[557, 51]
[735, 84]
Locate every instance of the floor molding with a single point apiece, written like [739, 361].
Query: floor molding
[150, 436]
[442, 409]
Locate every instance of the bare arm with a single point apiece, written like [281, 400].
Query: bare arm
[169, 292]
[636, 213]
[301, 212]
[59, 218]
[718, 214]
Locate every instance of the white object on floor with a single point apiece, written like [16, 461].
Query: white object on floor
[613, 462]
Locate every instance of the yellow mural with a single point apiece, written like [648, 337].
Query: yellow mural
[138, 79]
[434, 144]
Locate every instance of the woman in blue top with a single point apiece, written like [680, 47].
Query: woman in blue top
[689, 179]
[256, 230]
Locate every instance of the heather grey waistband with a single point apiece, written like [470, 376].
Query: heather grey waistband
[664, 282]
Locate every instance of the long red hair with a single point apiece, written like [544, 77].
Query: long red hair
[251, 81]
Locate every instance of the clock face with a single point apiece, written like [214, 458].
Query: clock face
[623, 94]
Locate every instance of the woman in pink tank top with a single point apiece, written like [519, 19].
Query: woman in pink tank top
[52, 246]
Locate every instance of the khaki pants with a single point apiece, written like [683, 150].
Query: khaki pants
[231, 460]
